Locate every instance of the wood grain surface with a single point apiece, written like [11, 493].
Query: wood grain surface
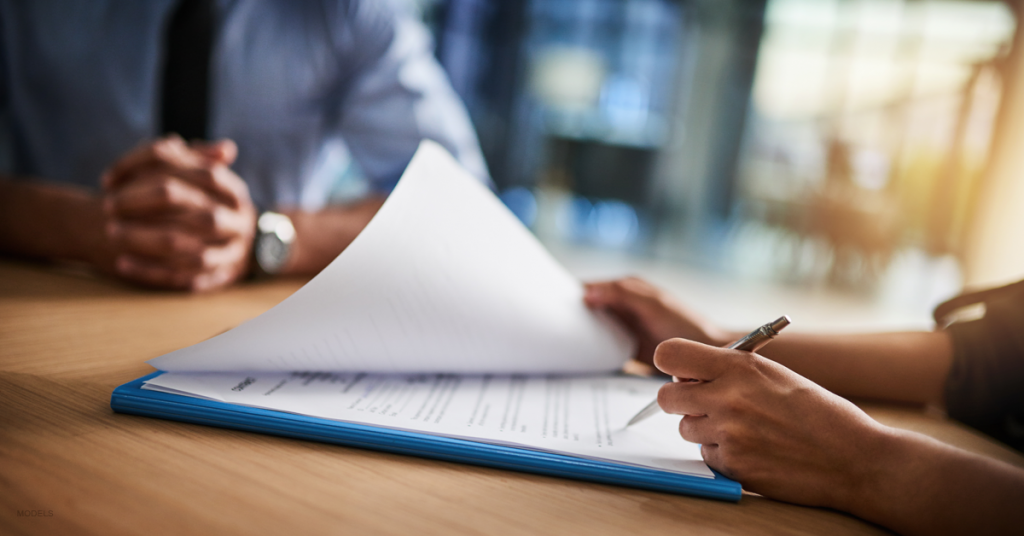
[67, 339]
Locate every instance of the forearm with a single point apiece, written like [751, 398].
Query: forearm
[321, 236]
[922, 486]
[52, 222]
[904, 367]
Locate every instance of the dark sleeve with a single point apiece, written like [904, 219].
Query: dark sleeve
[985, 388]
[4, 77]
[6, 160]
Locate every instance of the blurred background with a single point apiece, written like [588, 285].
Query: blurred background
[863, 150]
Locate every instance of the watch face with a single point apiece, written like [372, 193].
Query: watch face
[271, 253]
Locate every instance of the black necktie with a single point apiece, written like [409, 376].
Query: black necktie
[187, 70]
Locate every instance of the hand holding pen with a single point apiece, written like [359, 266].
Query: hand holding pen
[653, 316]
[754, 341]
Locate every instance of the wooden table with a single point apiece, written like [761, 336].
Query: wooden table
[68, 339]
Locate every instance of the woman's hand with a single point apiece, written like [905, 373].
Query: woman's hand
[771, 429]
[650, 314]
[783, 436]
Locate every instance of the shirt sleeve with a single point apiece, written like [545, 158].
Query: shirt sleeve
[3, 62]
[396, 94]
[6, 135]
[985, 388]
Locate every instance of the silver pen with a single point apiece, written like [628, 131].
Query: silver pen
[751, 343]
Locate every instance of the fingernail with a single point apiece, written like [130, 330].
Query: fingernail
[113, 230]
[108, 206]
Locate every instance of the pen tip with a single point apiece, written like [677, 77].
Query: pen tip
[780, 323]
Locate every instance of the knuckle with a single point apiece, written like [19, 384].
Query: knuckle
[745, 364]
[166, 193]
[631, 280]
[243, 187]
[206, 177]
[726, 462]
[727, 435]
[748, 360]
[162, 149]
[686, 428]
[762, 367]
[206, 221]
[731, 405]
[197, 283]
[718, 460]
[220, 220]
[205, 260]
[226, 218]
[722, 465]
[639, 287]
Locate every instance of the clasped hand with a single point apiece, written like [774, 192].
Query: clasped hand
[177, 216]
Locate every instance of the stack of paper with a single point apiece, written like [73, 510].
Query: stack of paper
[445, 316]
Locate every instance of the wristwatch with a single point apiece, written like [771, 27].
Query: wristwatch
[275, 235]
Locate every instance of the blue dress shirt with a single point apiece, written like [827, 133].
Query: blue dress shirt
[291, 83]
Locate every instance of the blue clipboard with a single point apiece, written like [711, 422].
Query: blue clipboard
[133, 399]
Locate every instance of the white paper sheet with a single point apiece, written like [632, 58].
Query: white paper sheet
[582, 416]
[443, 279]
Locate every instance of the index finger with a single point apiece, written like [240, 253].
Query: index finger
[630, 293]
[688, 359]
[172, 157]
[156, 195]
[154, 153]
